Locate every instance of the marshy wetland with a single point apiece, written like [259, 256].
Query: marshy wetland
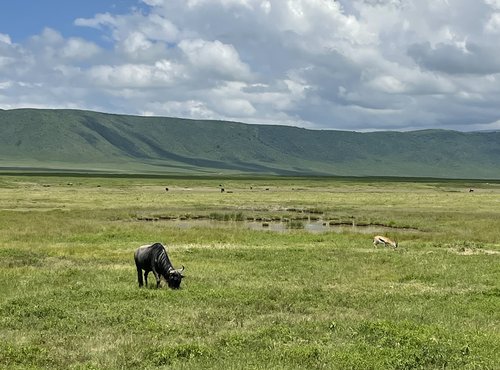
[277, 224]
[280, 273]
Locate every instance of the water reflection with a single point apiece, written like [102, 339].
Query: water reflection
[278, 226]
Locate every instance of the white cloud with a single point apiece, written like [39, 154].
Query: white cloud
[236, 107]
[153, 2]
[5, 85]
[185, 108]
[495, 4]
[5, 38]
[388, 84]
[493, 24]
[346, 64]
[162, 74]
[159, 28]
[136, 42]
[76, 48]
[99, 21]
[215, 57]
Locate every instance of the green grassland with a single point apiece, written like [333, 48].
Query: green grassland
[251, 299]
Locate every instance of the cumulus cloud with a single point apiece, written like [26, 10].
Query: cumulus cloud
[76, 48]
[162, 74]
[451, 58]
[215, 57]
[343, 64]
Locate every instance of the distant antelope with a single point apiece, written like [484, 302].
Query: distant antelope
[384, 240]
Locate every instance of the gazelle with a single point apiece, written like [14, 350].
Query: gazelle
[384, 240]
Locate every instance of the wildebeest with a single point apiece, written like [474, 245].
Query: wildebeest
[384, 240]
[154, 258]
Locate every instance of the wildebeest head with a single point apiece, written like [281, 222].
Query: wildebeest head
[174, 278]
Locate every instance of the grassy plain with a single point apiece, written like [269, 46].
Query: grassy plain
[251, 299]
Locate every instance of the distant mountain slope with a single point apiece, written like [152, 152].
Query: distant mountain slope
[84, 140]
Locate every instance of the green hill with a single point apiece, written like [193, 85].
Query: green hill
[85, 141]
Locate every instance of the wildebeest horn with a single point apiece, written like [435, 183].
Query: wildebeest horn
[182, 269]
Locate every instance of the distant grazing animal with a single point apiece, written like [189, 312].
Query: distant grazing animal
[166, 189]
[384, 240]
[471, 190]
[154, 258]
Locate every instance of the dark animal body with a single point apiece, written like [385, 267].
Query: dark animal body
[154, 258]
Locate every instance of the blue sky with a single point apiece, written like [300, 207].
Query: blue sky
[22, 19]
[359, 65]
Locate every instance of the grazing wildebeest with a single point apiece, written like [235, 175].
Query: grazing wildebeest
[384, 240]
[154, 258]
[471, 190]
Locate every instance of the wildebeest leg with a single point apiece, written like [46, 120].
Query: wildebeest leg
[146, 273]
[157, 276]
[139, 277]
